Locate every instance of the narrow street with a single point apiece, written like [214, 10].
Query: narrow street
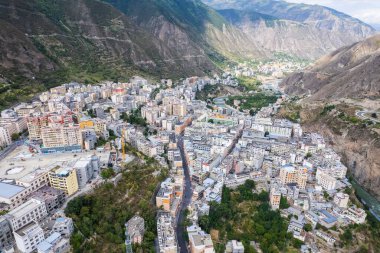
[182, 243]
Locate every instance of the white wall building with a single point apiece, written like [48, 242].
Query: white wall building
[32, 210]
[326, 181]
[28, 237]
[341, 199]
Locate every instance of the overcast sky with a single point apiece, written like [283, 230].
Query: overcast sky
[365, 10]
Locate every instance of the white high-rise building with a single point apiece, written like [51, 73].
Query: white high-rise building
[326, 181]
[32, 210]
[86, 168]
[28, 237]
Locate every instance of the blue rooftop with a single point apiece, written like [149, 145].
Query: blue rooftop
[44, 246]
[53, 237]
[60, 219]
[9, 190]
[329, 217]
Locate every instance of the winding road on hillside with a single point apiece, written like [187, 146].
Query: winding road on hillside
[363, 115]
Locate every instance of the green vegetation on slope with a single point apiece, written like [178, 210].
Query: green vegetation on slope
[208, 92]
[249, 83]
[99, 217]
[246, 216]
[253, 102]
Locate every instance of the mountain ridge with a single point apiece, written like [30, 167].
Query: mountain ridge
[305, 31]
[51, 42]
[348, 72]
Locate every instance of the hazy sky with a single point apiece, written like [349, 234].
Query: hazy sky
[365, 10]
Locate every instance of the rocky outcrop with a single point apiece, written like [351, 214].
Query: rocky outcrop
[358, 145]
[352, 71]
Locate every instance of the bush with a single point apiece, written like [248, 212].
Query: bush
[308, 227]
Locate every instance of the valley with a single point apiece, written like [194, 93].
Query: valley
[188, 126]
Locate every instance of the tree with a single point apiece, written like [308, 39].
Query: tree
[307, 227]
[284, 203]
[107, 173]
[266, 134]
[15, 136]
[297, 243]
[211, 121]
[250, 184]
[204, 223]
[347, 236]
[374, 115]
[252, 112]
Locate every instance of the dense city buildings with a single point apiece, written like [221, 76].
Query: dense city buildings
[83, 135]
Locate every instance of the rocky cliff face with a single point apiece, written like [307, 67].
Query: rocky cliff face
[348, 72]
[358, 145]
[306, 31]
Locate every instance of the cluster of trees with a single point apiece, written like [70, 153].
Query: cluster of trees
[207, 91]
[256, 101]
[107, 173]
[246, 216]
[99, 217]
[134, 118]
[249, 83]
[327, 109]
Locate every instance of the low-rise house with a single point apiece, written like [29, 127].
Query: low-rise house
[55, 243]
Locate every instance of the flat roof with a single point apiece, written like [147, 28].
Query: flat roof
[9, 190]
[20, 164]
[25, 208]
[44, 246]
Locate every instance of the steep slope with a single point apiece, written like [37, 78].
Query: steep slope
[306, 31]
[84, 38]
[352, 71]
[190, 23]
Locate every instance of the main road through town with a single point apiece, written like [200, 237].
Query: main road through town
[186, 200]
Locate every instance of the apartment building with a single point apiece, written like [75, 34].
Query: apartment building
[234, 247]
[86, 168]
[200, 242]
[275, 198]
[165, 196]
[55, 243]
[52, 198]
[24, 110]
[5, 135]
[28, 237]
[12, 195]
[60, 136]
[289, 174]
[326, 181]
[355, 215]
[134, 229]
[63, 226]
[37, 123]
[341, 199]
[166, 236]
[32, 210]
[10, 117]
[6, 236]
[64, 179]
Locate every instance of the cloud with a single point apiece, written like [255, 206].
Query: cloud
[365, 10]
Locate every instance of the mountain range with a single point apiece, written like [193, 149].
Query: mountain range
[53, 41]
[351, 71]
